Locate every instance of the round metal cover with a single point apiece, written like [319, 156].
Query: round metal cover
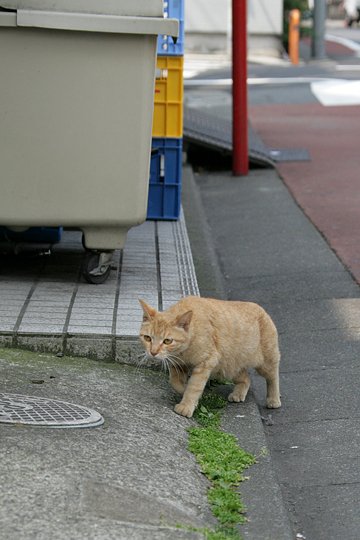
[39, 411]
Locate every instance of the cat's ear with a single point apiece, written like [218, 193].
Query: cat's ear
[149, 312]
[184, 320]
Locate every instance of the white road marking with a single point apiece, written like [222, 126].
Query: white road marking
[344, 67]
[258, 81]
[333, 93]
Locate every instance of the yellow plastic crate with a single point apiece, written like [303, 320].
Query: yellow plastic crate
[169, 97]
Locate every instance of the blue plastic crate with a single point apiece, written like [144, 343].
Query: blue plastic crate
[166, 160]
[33, 235]
[164, 202]
[173, 9]
[165, 179]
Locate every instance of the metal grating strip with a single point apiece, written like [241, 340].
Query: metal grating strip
[185, 262]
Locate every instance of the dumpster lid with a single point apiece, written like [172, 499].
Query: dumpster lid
[132, 8]
[90, 22]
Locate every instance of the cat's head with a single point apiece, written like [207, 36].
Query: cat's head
[164, 336]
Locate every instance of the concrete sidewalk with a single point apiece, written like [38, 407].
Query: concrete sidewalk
[131, 478]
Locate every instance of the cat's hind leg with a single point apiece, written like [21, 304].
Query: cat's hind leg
[242, 385]
[269, 367]
[271, 375]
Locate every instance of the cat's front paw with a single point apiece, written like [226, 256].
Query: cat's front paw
[236, 398]
[273, 403]
[184, 409]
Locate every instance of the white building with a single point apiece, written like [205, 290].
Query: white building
[208, 26]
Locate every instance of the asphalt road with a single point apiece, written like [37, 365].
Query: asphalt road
[288, 240]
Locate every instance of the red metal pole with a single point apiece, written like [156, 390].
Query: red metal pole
[239, 77]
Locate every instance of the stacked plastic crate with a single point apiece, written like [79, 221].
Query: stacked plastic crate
[166, 158]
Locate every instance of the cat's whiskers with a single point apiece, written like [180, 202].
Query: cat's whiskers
[141, 360]
[180, 362]
[165, 364]
[173, 361]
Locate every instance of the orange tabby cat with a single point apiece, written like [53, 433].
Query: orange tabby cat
[202, 338]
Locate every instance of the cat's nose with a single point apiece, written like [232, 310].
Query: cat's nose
[155, 352]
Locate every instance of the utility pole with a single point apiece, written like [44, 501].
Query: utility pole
[239, 89]
[318, 38]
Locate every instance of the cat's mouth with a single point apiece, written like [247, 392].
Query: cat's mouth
[166, 360]
[155, 356]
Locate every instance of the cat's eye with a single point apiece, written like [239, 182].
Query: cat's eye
[167, 341]
[147, 338]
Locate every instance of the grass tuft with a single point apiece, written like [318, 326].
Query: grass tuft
[223, 462]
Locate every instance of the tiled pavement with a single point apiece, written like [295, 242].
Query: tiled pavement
[45, 303]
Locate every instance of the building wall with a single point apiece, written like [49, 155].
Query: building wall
[265, 27]
[208, 25]
[207, 16]
[265, 17]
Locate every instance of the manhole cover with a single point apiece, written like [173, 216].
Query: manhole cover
[38, 411]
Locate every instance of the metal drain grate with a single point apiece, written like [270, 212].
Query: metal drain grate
[38, 411]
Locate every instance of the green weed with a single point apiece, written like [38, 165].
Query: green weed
[223, 462]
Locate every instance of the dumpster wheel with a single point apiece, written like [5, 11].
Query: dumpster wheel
[96, 267]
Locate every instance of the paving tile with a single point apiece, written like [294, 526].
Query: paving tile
[91, 321]
[93, 307]
[124, 316]
[56, 286]
[46, 309]
[43, 324]
[87, 329]
[6, 326]
[9, 297]
[135, 274]
[128, 330]
[133, 299]
[39, 328]
[8, 319]
[11, 311]
[53, 298]
[94, 300]
[14, 287]
[128, 303]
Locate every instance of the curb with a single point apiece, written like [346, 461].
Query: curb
[261, 493]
